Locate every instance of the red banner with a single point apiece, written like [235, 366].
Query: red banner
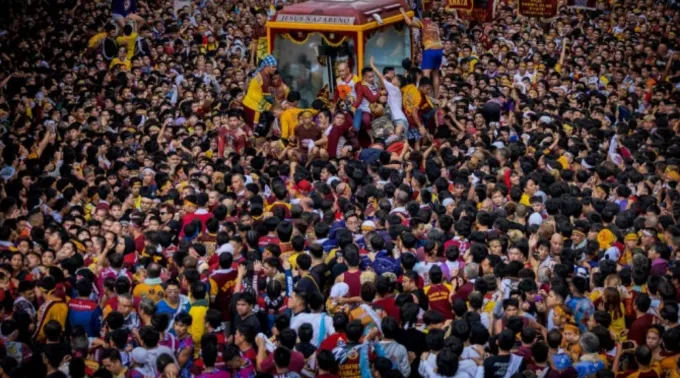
[482, 11]
[538, 8]
[601, 5]
[466, 5]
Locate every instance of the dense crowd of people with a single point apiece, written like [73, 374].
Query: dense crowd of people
[503, 205]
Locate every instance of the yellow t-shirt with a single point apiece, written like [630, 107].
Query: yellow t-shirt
[289, 121]
[129, 42]
[96, 40]
[197, 328]
[255, 97]
[430, 34]
[525, 200]
[292, 258]
[361, 315]
[618, 325]
[411, 98]
[127, 64]
[670, 364]
[56, 311]
[153, 292]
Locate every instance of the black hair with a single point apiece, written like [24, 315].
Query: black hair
[209, 349]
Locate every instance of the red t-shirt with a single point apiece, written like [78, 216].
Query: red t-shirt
[387, 304]
[264, 240]
[250, 354]
[332, 341]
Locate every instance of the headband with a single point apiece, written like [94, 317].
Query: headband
[631, 237]
[571, 327]
[578, 233]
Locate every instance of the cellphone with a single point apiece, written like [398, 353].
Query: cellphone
[538, 298]
[628, 345]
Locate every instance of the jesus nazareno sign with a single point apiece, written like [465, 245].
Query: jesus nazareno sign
[316, 19]
[538, 8]
[482, 11]
[601, 5]
[460, 4]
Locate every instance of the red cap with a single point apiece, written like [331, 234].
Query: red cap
[304, 186]
[102, 205]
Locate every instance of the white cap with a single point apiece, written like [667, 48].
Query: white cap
[226, 247]
[339, 290]
[447, 202]
[368, 223]
[139, 355]
[498, 144]
[612, 253]
[535, 218]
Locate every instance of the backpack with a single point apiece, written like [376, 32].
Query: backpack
[382, 127]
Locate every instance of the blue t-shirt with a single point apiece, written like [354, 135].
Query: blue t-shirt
[164, 308]
[588, 368]
[124, 7]
[582, 308]
[370, 155]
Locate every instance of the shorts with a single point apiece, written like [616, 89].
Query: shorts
[432, 59]
[413, 134]
[117, 17]
[250, 116]
[403, 122]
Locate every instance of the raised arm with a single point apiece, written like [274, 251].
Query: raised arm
[564, 52]
[377, 72]
[407, 19]
[667, 69]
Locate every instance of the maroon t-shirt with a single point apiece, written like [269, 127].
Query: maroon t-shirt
[297, 362]
[353, 280]
[387, 304]
[302, 133]
[638, 330]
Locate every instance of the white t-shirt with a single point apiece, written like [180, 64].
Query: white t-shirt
[423, 270]
[470, 352]
[315, 321]
[394, 99]
[350, 83]
[466, 369]
[519, 77]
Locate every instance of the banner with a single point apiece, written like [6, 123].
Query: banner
[466, 5]
[538, 8]
[181, 4]
[601, 5]
[482, 11]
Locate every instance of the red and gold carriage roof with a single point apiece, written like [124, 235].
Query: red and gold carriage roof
[335, 20]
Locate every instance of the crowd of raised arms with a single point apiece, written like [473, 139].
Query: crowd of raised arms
[502, 204]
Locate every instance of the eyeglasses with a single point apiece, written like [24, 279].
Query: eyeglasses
[162, 213]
